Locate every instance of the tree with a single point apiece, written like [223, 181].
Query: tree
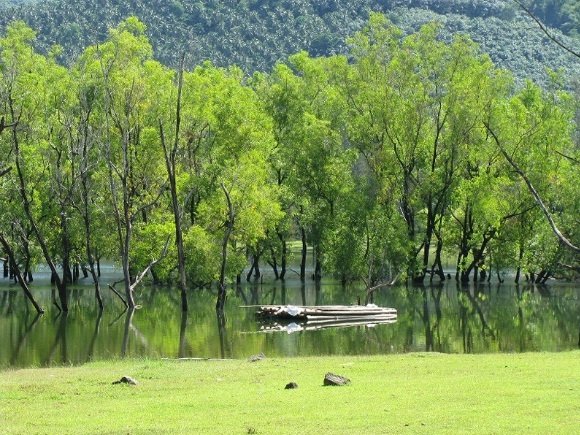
[125, 74]
[29, 105]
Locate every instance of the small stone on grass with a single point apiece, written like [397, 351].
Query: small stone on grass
[126, 380]
[257, 357]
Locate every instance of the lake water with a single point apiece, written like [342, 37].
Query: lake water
[479, 319]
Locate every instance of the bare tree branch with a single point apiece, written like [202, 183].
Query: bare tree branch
[534, 193]
[112, 287]
[5, 171]
[145, 271]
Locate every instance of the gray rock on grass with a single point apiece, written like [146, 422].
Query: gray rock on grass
[330, 379]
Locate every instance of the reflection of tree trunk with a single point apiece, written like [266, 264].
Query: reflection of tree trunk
[95, 335]
[10, 305]
[427, 322]
[283, 293]
[438, 314]
[59, 338]
[522, 329]
[255, 296]
[477, 308]
[240, 293]
[10, 253]
[221, 322]
[273, 298]
[22, 339]
[128, 321]
[182, 337]
[4, 297]
[409, 330]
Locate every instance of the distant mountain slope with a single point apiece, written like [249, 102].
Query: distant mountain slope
[254, 34]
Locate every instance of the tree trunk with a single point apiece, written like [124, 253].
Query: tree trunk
[317, 276]
[170, 164]
[274, 264]
[520, 256]
[304, 252]
[221, 299]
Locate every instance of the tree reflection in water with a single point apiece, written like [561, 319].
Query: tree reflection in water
[445, 318]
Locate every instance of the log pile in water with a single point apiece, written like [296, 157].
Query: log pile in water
[330, 312]
[291, 318]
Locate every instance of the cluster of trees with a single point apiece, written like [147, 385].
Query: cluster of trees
[255, 34]
[383, 161]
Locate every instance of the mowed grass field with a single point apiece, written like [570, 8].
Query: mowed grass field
[532, 393]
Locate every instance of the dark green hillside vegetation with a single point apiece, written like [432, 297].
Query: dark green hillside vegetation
[254, 34]
[379, 164]
[561, 14]
[12, 3]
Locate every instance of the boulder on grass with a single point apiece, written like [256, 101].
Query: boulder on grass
[335, 380]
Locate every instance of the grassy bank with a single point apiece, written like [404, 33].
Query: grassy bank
[414, 393]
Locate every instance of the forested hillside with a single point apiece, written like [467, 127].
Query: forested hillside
[254, 34]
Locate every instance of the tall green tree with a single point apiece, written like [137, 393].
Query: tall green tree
[124, 72]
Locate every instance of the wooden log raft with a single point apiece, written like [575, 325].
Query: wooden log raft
[326, 312]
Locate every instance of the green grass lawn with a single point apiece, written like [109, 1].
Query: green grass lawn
[413, 393]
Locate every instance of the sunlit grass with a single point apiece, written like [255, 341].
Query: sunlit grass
[414, 393]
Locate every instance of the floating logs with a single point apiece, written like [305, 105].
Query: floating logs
[292, 318]
[325, 312]
[289, 326]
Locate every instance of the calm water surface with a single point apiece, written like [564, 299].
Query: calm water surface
[479, 319]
